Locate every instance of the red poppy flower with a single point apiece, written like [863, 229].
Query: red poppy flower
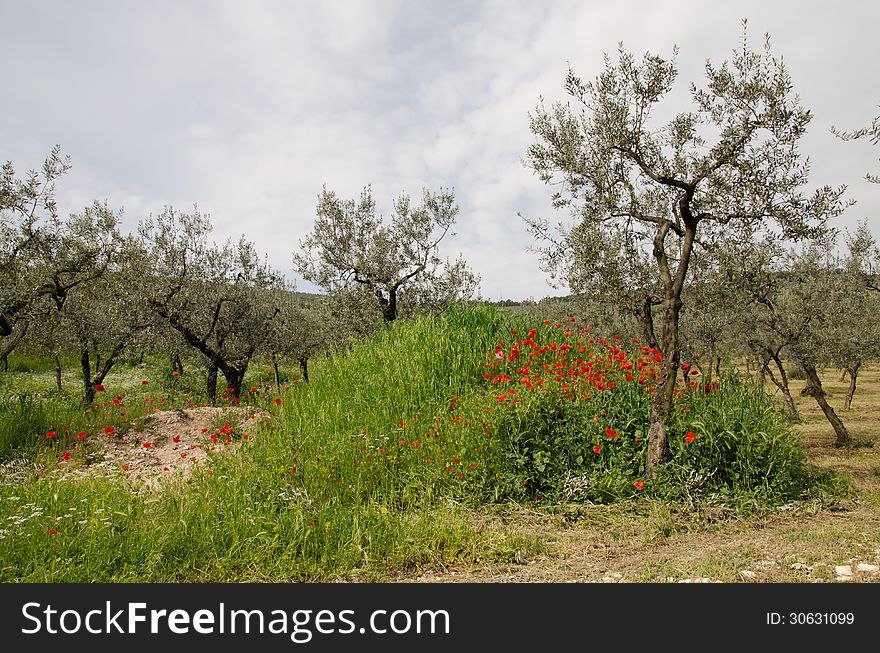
[175, 373]
[125, 468]
[109, 430]
[147, 445]
[597, 448]
[145, 382]
[176, 438]
[80, 436]
[66, 455]
[690, 436]
[99, 387]
[277, 401]
[293, 470]
[51, 434]
[639, 485]
[52, 531]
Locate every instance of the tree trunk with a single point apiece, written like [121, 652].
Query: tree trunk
[815, 385]
[57, 359]
[234, 378]
[276, 373]
[176, 363]
[12, 341]
[661, 403]
[853, 373]
[389, 306]
[304, 368]
[88, 387]
[718, 367]
[808, 390]
[211, 382]
[646, 319]
[782, 384]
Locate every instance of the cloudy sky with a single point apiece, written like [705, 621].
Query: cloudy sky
[248, 108]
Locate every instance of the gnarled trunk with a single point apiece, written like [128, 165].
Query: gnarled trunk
[661, 403]
[816, 391]
[276, 373]
[211, 382]
[853, 372]
[88, 387]
[57, 360]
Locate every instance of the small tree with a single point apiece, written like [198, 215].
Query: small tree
[213, 296]
[105, 318]
[43, 256]
[397, 262]
[729, 168]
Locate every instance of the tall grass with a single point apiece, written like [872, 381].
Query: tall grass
[363, 471]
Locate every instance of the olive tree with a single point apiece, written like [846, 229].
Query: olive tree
[396, 261]
[213, 295]
[727, 168]
[44, 256]
[105, 319]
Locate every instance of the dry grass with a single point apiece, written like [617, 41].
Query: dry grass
[657, 543]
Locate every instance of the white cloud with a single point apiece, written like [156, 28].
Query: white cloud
[248, 108]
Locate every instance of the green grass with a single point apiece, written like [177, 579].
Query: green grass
[373, 468]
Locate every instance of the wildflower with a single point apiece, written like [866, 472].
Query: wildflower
[125, 468]
[99, 387]
[638, 485]
[145, 382]
[109, 430]
[52, 531]
[277, 401]
[66, 456]
[176, 438]
[597, 448]
[80, 436]
[147, 445]
[51, 434]
[175, 373]
[293, 470]
[690, 436]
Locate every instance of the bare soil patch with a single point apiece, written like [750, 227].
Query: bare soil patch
[170, 444]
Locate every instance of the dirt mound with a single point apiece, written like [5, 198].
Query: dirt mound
[170, 444]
